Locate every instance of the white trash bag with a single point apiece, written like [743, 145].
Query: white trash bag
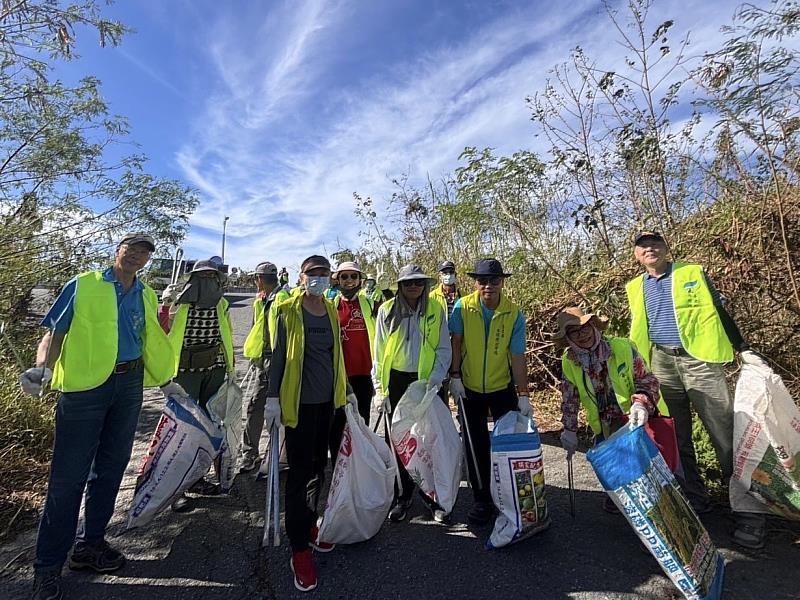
[185, 443]
[225, 408]
[766, 445]
[517, 480]
[428, 444]
[362, 486]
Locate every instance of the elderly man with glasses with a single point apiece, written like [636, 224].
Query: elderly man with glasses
[488, 337]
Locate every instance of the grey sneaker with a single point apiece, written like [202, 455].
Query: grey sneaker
[399, 510]
[248, 464]
[47, 586]
[99, 557]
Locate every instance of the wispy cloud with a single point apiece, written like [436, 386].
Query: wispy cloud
[280, 148]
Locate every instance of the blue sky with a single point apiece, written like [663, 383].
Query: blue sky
[278, 111]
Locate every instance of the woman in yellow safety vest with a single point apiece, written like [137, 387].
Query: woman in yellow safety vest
[202, 346]
[411, 343]
[607, 376]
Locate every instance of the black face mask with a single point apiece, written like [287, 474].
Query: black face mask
[269, 279]
[203, 292]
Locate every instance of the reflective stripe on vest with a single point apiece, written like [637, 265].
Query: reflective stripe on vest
[254, 344]
[485, 368]
[179, 328]
[702, 333]
[89, 351]
[430, 326]
[292, 311]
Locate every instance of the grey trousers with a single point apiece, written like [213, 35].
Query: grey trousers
[254, 415]
[688, 383]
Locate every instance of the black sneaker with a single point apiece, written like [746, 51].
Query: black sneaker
[399, 510]
[47, 586]
[481, 513]
[99, 557]
[204, 487]
[248, 464]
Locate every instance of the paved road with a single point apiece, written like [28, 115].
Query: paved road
[214, 552]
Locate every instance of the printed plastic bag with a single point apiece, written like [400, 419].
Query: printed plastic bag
[766, 444]
[638, 480]
[362, 486]
[428, 444]
[225, 408]
[181, 451]
[517, 480]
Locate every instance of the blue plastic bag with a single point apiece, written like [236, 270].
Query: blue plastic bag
[638, 480]
[517, 483]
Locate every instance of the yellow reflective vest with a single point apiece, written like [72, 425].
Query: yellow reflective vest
[430, 328]
[620, 371]
[702, 333]
[254, 344]
[292, 312]
[486, 360]
[89, 351]
[179, 328]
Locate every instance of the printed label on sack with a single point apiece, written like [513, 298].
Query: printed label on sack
[406, 448]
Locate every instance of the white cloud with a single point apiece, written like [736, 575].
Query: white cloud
[288, 188]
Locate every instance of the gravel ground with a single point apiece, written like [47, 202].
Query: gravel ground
[215, 551]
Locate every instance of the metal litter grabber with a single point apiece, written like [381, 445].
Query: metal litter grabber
[571, 484]
[388, 429]
[273, 506]
[466, 436]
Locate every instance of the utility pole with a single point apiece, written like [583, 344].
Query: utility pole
[224, 229]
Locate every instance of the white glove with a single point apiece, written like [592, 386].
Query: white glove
[379, 402]
[638, 416]
[33, 379]
[272, 412]
[751, 358]
[433, 385]
[524, 404]
[351, 399]
[457, 388]
[173, 389]
[170, 293]
[569, 441]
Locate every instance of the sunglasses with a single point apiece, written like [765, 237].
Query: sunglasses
[413, 283]
[348, 277]
[488, 280]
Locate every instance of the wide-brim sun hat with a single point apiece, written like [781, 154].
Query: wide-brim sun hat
[349, 266]
[410, 272]
[204, 265]
[488, 267]
[574, 316]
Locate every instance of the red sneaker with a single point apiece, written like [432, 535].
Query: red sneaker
[316, 544]
[305, 573]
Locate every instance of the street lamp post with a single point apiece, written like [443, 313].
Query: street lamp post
[224, 229]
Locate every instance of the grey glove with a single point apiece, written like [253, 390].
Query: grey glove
[351, 399]
[524, 405]
[173, 389]
[457, 388]
[33, 379]
[272, 412]
[569, 441]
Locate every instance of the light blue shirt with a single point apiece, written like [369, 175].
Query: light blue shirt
[130, 314]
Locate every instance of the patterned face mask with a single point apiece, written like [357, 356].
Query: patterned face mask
[316, 286]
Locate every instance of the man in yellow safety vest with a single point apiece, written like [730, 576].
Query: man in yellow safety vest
[488, 337]
[104, 346]
[258, 349]
[682, 329]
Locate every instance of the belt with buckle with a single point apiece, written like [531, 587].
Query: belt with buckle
[124, 367]
[672, 351]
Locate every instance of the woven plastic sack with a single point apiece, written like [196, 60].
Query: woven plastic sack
[181, 451]
[428, 444]
[638, 480]
[517, 484]
[362, 485]
[225, 408]
[766, 444]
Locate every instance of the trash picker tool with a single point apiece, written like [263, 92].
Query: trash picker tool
[571, 484]
[467, 438]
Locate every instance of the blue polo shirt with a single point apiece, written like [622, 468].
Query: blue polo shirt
[517, 344]
[130, 314]
[662, 326]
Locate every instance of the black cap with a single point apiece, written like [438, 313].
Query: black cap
[488, 267]
[447, 264]
[641, 235]
[315, 261]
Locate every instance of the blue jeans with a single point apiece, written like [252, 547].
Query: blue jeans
[93, 442]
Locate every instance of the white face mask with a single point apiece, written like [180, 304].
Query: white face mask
[449, 278]
[316, 286]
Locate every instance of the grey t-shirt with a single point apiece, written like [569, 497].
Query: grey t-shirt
[317, 382]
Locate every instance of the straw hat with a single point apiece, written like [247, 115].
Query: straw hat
[574, 316]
